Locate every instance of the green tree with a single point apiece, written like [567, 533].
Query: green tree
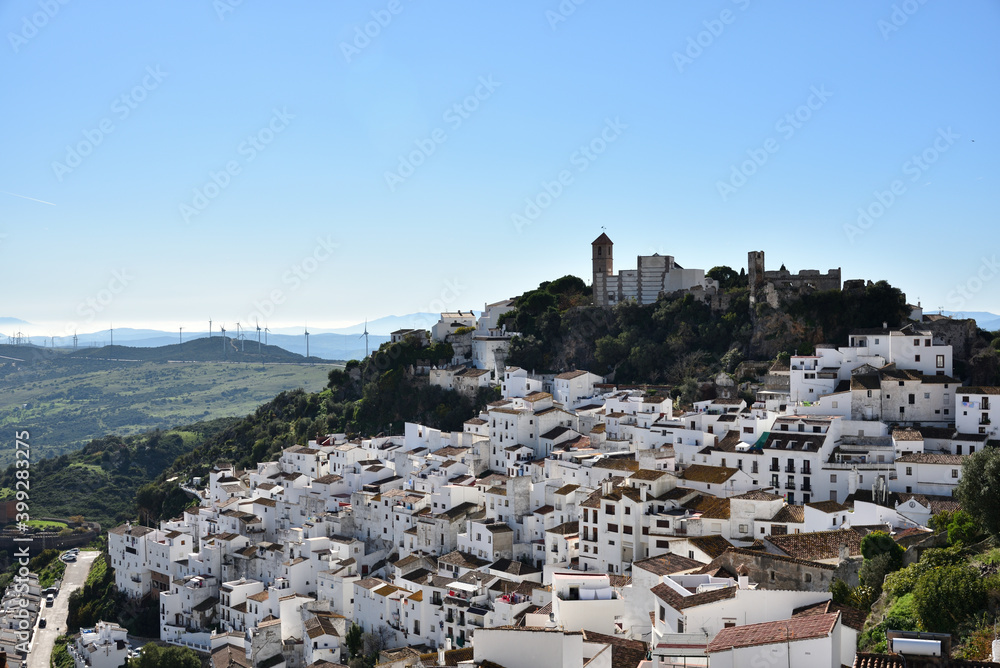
[879, 542]
[963, 529]
[154, 656]
[352, 640]
[841, 592]
[978, 491]
[945, 597]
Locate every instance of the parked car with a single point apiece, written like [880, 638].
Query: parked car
[49, 600]
[69, 556]
[41, 623]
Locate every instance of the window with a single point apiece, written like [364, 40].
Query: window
[912, 399]
[743, 528]
[909, 470]
[628, 510]
[609, 510]
[663, 614]
[690, 554]
[613, 528]
[809, 577]
[940, 362]
[954, 473]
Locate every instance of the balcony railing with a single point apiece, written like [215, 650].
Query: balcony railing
[984, 420]
[806, 487]
[789, 485]
[774, 468]
[790, 468]
[806, 470]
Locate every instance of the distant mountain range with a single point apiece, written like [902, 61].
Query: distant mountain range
[344, 343]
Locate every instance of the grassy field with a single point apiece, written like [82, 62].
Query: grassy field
[47, 524]
[64, 402]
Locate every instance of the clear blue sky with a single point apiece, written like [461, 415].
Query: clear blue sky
[160, 95]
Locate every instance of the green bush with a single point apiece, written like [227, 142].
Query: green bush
[945, 596]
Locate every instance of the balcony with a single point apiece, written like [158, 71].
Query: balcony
[774, 468]
[789, 485]
[790, 468]
[806, 487]
[984, 420]
[806, 470]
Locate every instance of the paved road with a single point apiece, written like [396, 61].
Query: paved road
[55, 617]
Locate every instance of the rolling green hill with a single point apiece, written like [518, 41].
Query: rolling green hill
[66, 398]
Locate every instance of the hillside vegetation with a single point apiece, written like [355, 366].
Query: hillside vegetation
[65, 399]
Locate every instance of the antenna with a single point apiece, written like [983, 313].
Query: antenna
[256, 322]
[74, 339]
[365, 336]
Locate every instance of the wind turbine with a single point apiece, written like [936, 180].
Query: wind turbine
[307, 341]
[365, 337]
[223, 328]
[266, 330]
[74, 339]
[180, 336]
[239, 336]
[258, 334]
[209, 328]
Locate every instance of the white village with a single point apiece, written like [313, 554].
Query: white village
[575, 522]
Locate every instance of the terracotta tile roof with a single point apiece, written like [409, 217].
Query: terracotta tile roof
[713, 546]
[757, 495]
[818, 545]
[866, 660]
[710, 507]
[767, 633]
[708, 474]
[648, 474]
[666, 564]
[570, 375]
[930, 458]
[828, 506]
[624, 653]
[907, 435]
[789, 514]
[678, 602]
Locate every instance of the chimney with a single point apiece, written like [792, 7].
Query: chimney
[885, 325]
[441, 655]
[852, 480]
